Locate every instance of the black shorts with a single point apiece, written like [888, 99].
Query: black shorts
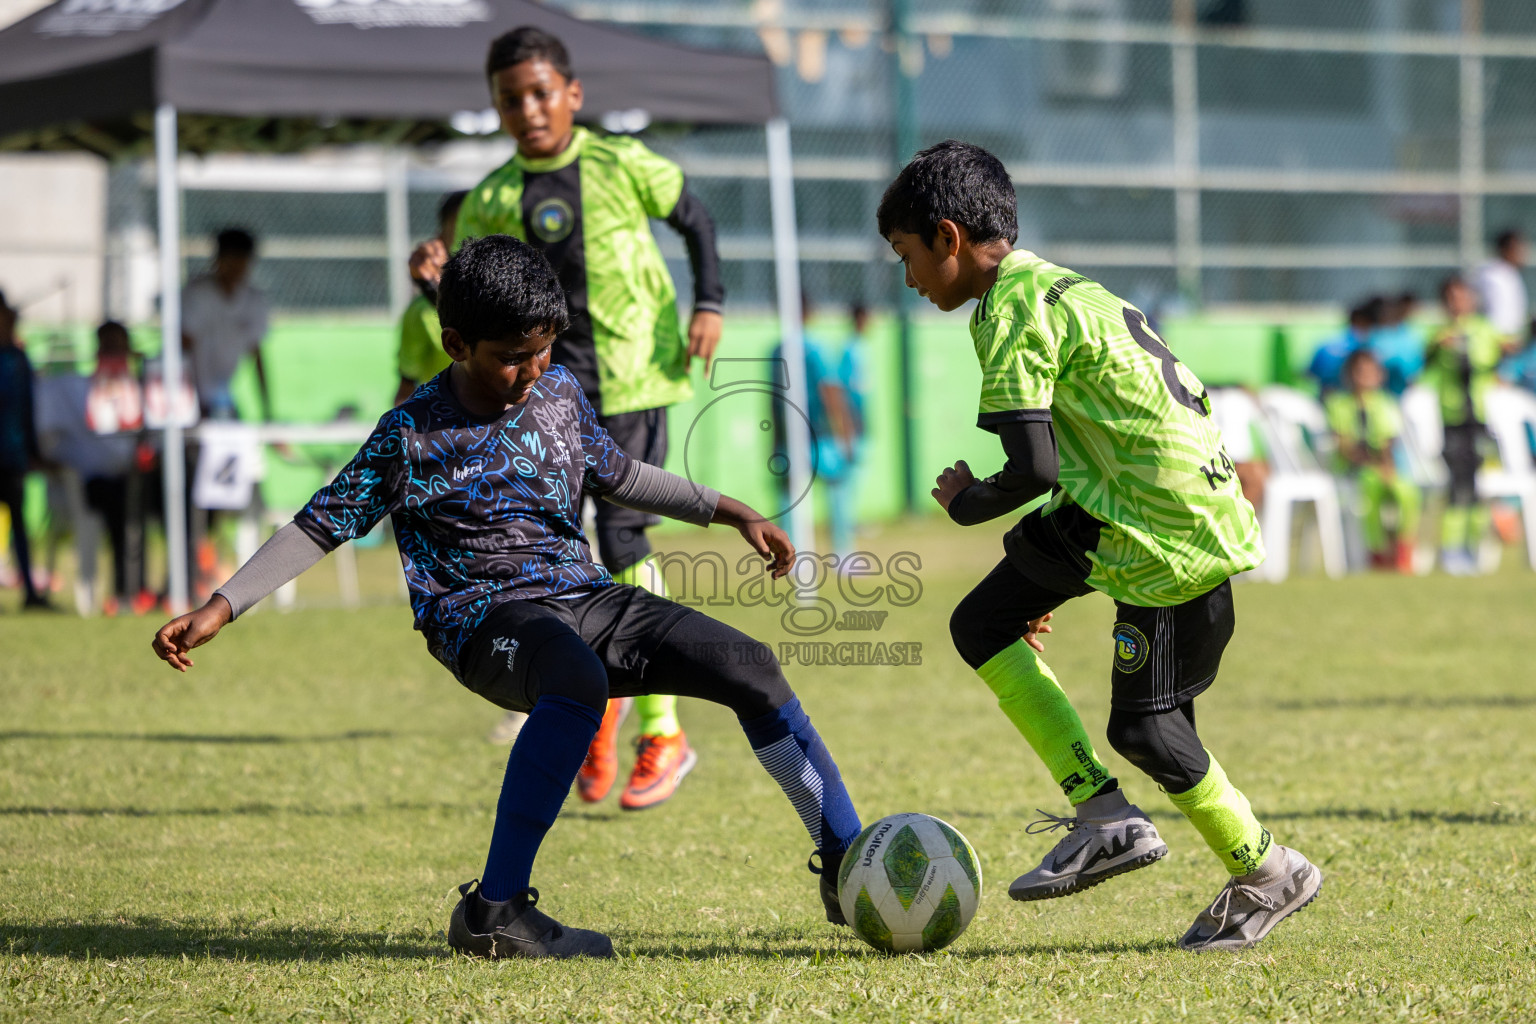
[647, 644]
[1163, 657]
[623, 625]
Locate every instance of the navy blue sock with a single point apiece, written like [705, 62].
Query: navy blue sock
[540, 771]
[788, 745]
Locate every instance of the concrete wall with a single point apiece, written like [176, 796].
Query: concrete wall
[53, 235]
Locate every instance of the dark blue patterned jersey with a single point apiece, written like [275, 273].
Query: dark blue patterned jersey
[484, 511]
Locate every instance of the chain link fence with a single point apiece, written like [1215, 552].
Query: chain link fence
[1194, 151]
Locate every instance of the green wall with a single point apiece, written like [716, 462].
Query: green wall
[317, 369]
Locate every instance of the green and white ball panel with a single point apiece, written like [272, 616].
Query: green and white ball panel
[909, 882]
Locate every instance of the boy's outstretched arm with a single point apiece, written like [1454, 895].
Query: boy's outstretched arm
[647, 488]
[690, 219]
[1031, 469]
[284, 557]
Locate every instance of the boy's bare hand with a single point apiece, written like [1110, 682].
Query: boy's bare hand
[177, 638]
[1036, 627]
[703, 337]
[951, 482]
[428, 259]
[766, 539]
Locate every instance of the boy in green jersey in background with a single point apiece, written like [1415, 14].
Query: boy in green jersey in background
[421, 356]
[1092, 408]
[1461, 365]
[1366, 425]
[586, 201]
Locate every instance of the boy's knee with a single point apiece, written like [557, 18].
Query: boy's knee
[564, 666]
[1162, 745]
[975, 643]
[756, 681]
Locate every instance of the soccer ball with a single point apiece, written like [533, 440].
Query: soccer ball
[909, 883]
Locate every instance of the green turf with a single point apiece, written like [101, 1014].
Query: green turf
[277, 835]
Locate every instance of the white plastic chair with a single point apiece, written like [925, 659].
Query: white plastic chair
[1297, 478]
[1511, 412]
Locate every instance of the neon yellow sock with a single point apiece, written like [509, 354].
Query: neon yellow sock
[1220, 813]
[657, 711]
[1033, 700]
[1454, 524]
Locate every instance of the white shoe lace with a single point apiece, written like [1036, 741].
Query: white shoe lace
[1050, 823]
[1222, 904]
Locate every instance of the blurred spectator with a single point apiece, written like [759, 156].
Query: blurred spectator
[421, 356]
[224, 319]
[1461, 363]
[113, 415]
[1520, 368]
[1397, 344]
[851, 378]
[830, 418]
[1367, 423]
[1502, 288]
[18, 446]
[1327, 366]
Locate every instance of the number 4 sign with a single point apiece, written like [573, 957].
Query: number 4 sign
[228, 466]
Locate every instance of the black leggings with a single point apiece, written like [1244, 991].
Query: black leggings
[1462, 459]
[1163, 744]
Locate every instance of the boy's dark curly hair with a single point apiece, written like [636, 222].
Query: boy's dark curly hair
[954, 181]
[498, 287]
[525, 44]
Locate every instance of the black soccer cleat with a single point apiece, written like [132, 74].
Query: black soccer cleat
[831, 866]
[517, 928]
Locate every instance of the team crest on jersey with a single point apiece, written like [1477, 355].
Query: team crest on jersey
[1130, 647]
[553, 220]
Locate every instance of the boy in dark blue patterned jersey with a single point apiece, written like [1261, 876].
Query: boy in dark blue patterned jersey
[483, 470]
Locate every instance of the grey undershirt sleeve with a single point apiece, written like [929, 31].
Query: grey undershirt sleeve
[650, 489]
[287, 554]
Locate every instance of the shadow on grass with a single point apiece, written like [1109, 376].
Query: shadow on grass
[184, 737]
[790, 943]
[234, 810]
[158, 938]
[1410, 702]
[1499, 817]
[153, 937]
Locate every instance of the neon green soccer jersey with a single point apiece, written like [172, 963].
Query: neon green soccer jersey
[588, 209]
[1463, 364]
[421, 355]
[1138, 448]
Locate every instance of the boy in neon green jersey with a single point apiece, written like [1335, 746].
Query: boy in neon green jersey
[421, 356]
[586, 201]
[1092, 408]
[1366, 424]
[1462, 364]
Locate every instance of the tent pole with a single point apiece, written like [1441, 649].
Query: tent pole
[173, 459]
[397, 228]
[786, 260]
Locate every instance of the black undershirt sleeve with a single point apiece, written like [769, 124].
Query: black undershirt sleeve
[690, 219]
[1030, 471]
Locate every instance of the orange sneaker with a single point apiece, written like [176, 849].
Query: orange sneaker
[661, 763]
[601, 767]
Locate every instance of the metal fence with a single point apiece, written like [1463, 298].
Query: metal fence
[1209, 151]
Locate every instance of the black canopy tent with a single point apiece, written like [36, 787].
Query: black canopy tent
[107, 75]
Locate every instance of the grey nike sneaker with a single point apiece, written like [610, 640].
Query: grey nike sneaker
[517, 928]
[1109, 836]
[1249, 906]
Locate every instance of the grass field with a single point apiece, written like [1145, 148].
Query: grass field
[277, 836]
